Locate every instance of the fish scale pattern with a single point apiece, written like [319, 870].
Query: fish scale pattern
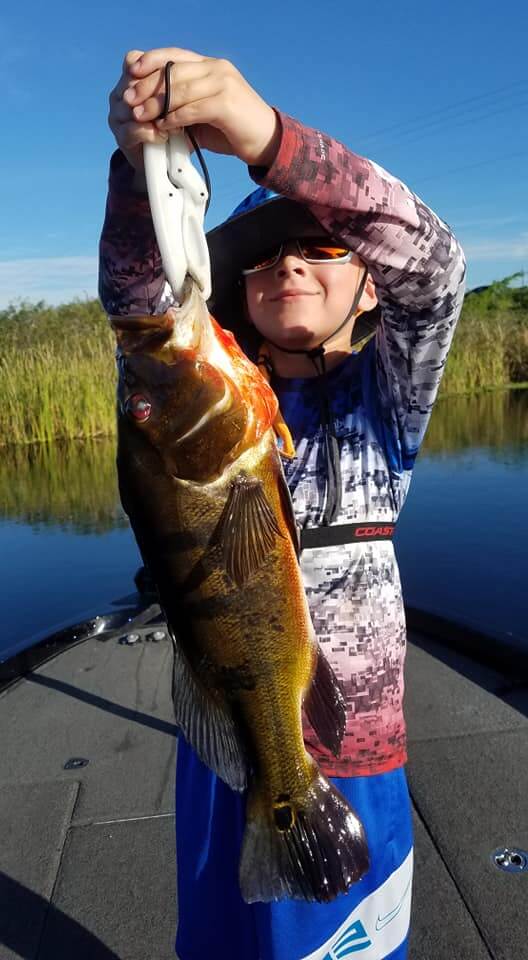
[381, 398]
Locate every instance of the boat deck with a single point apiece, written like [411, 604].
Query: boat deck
[87, 854]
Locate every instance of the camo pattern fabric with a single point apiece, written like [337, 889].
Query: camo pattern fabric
[353, 591]
[381, 399]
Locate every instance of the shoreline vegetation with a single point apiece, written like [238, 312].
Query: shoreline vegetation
[57, 368]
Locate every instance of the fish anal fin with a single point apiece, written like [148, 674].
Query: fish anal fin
[247, 530]
[207, 723]
[325, 705]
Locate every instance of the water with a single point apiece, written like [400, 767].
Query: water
[66, 550]
[462, 543]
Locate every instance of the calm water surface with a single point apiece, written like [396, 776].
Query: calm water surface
[66, 550]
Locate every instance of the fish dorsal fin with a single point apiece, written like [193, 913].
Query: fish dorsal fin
[325, 705]
[248, 529]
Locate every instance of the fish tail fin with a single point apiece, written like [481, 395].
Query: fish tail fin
[313, 852]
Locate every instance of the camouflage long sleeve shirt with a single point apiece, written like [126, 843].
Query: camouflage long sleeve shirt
[381, 398]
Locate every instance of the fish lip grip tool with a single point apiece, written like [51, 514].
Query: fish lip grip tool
[178, 198]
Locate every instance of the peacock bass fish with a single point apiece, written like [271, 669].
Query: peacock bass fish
[201, 480]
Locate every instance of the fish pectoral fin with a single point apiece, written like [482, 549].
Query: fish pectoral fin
[247, 530]
[325, 705]
[207, 723]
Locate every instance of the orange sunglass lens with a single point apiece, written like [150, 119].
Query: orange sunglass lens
[264, 262]
[310, 249]
[319, 251]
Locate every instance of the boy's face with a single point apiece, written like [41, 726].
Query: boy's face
[298, 304]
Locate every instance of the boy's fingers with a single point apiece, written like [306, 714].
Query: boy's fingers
[148, 111]
[131, 58]
[199, 112]
[192, 98]
[182, 92]
[121, 112]
[133, 134]
[125, 80]
[156, 59]
[181, 74]
[116, 95]
[140, 90]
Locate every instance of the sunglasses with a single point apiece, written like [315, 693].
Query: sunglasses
[312, 251]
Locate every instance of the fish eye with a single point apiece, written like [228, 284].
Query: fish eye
[138, 407]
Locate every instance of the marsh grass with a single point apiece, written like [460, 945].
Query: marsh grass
[490, 346]
[477, 359]
[57, 374]
[57, 371]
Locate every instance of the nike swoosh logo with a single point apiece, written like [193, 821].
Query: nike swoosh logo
[383, 921]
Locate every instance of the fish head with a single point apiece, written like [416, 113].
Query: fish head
[186, 390]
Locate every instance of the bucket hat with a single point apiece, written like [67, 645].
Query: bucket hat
[262, 220]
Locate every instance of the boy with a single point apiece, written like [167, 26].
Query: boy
[346, 289]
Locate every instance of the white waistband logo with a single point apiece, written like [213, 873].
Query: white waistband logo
[377, 925]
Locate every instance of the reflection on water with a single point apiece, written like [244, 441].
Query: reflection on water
[66, 550]
[69, 485]
[66, 547]
[496, 421]
[74, 485]
[462, 538]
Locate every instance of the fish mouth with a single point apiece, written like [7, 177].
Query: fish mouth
[181, 325]
[190, 287]
[188, 316]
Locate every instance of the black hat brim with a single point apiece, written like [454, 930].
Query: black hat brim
[236, 242]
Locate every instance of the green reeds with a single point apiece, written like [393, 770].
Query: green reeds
[57, 380]
[478, 358]
[57, 374]
[490, 346]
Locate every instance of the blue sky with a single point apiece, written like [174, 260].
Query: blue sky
[435, 93]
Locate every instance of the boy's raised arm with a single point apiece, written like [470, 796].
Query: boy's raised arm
[131, 277]
[415, 261]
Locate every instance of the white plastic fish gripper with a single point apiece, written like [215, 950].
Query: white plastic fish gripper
[178, 197]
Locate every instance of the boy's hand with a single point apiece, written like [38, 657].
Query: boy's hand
[209, 95]
[130, 134]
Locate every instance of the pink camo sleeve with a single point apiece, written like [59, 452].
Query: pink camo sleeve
[407, 247]
[131, 277]
[415, 261]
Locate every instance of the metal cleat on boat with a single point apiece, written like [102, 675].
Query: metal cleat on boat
[510, 859]
[130, 638]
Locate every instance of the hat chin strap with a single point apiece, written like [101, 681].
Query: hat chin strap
[334, 485]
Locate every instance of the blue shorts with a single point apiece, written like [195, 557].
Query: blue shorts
[370, 922]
